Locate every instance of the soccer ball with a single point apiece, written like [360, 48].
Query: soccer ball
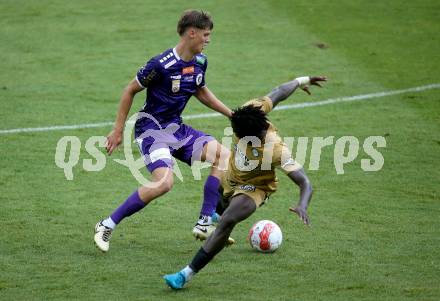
[265, 236]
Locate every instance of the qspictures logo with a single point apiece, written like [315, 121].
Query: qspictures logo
[345, 149]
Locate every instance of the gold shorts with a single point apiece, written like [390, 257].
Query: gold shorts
[259, 196]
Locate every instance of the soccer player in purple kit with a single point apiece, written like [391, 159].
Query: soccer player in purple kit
[170, 78]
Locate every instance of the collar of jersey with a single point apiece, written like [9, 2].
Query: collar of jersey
[180, 59]
[175, 54]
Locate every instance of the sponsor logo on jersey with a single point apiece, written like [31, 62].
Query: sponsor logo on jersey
[176, 76]
[199, 78]
[145, 80]
[175, 85]
[200, 60]
[188, 78]
[188, 70]
[247, 187]
[170, 63]
[241, 161]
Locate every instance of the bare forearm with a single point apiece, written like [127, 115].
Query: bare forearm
[125, 104]
[218, 106]
[305, 195]
[305, 187]
[124, 108]
[210, 100]
[283, 91]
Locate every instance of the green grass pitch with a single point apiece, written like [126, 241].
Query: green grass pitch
[374, 235]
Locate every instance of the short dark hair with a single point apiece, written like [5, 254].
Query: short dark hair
[249, 121]
[194, 18]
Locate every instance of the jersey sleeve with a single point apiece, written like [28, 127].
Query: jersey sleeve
[148, 73]
[283, 160]
[265, 103]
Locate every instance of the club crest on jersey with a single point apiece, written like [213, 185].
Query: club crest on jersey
[188, 70]
[175, 86]
[199, 78]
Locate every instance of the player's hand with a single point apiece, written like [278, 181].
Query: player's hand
[302, 213]
[314, 80]
[114, 139]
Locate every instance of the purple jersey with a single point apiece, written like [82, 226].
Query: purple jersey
[170, 83]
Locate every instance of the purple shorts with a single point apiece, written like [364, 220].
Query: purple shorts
[180, 141]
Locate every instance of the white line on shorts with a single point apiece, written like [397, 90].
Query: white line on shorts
[370, 96]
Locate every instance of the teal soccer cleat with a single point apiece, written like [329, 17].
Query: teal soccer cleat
[215, 218]
[175, 281]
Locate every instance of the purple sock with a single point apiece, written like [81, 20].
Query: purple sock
[211, 196]
[132, 205]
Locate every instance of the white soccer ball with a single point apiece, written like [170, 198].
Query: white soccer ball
[265, 236]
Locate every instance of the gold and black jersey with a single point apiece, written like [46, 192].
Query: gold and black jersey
[253, 161]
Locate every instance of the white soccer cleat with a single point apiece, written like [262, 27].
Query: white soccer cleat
[102, 236]
[202, 232]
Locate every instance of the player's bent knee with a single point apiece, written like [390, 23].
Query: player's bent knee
[155, 189]
[214, 152]
[163, 180]
[241, 207]
[165, 186]
[227, 221]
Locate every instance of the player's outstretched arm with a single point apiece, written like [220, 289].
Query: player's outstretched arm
[305, 195]
[205, 96]
[115, 136]
[283, 91]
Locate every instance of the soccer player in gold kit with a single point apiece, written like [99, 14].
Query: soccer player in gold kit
[250, 178]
